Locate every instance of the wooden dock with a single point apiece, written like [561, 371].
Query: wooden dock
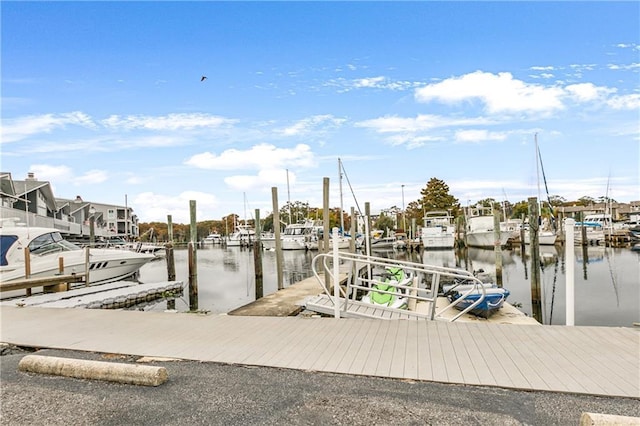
[584, 360]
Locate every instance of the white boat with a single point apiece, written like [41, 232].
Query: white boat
[438, 231]
[545, 237]
[46, 246]
[401, 241]
[316, 235]
[595, 228]
[243, 235]
[294, 236]
[213, 238]
[380, 242]
[480, 229]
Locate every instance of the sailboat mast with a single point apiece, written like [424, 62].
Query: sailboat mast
[538, 170]
[341, 211]
[288, 196]
[244, 196]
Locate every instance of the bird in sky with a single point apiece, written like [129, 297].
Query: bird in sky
[203, 78]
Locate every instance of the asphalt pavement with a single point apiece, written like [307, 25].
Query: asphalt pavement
[200, 393]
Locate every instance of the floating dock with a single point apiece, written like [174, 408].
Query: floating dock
[116, 295]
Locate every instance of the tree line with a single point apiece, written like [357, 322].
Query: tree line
[435, 196]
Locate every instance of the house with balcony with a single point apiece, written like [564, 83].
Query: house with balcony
[31, 202]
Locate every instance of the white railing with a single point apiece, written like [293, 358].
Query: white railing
[365, 272]
[31, 219]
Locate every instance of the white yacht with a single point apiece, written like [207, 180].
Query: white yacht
[46, 246]
[243, 236]
[480, 229]
[438, 231]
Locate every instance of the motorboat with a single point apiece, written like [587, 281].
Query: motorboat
[294, 237]
[212, 238]
[243, 235]
[491, 297]
[545, 237]
[379, 242]
[480, 230]
[46, 246]
[401, 241]
[315, 235]
[438, 231]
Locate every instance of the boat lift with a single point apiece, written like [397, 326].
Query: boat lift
[421, 288]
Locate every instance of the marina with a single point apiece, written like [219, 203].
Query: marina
[606, 279]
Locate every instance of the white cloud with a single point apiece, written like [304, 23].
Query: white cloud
[378, 82]
[586, 92]
[539, 68]
[411, 141]
[628, 67]
[499, 93]
[421, 122]
[155, 207]
[64, 174]
[310, 124]
[259, 157]
[479, 136]
[168, 122]
[16, 129]
[264, 179]
[52, 173]
[91, 177]
[629, 102]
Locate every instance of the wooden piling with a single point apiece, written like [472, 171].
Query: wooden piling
[536, 299]
[325, 225]
[87, 255]
[497, 246]
[27, 267]
[55, 288]
[193, 259]
[169, 228]
[171, 263]
[352, 231]
[257, 257]
[171, 271]
[325, 215]
[193, 278]
[522, 242]
[276, 233]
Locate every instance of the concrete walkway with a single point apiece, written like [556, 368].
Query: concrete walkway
[583, 360]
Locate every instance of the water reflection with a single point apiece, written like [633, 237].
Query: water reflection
[607, 292]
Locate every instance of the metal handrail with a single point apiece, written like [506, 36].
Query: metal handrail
[412, 292]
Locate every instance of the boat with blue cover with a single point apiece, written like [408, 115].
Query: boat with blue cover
[490, 295]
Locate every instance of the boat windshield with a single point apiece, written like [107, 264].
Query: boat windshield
[51, 242]
[293, 231]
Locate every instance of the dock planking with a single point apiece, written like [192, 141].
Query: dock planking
[527, 357]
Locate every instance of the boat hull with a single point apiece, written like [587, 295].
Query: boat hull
[494, 299]
[485, 239]
[105, 265]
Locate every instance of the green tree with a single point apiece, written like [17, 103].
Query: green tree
[436, 196]
[557, 200]
[384, 223]
[586, 201]
[519, 209]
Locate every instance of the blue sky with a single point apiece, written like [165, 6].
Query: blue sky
[104, 100]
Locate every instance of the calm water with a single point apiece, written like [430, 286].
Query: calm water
[607, 280]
